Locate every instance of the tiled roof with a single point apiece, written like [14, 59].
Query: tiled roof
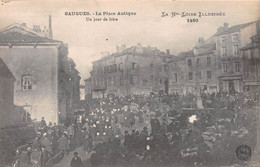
[207, 48]
[255, 42]
[4, 70]
[181, 56]
[235, 28]
[18, 34]
[148, 51]
[176, 59]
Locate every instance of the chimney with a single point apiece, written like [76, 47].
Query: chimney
[220, 29]
[201, 40]
[120, 48]
[23, 25]
[50, 28]
[36, 28]
[225, 26]
[168, 51]
[196, 51]
[139, 48]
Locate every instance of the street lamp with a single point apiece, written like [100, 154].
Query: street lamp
[198, 96]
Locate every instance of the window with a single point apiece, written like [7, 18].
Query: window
[151, 67]
[199, 75]
[151, 77]
[144, 82]
[121, 80]
[235, 37]
[208, 74]
[105, 82]
[235, 49]
[223, 39]
[237, 67]
[161, 81]
[208, 60]
[175, 79]
[132, 79]
[175, 65]
[114, 67]
[165, 68]
[114, 80]
[189, 63]
[133, 65]
[257, 70]
[224, 51]
[120, 67]
[224, 67]
[190, 76]
[109, 81]
[198, 62]
[26, 82]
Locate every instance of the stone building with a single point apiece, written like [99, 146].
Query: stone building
[177, 73]
[202, 68]
[44, 74]
[6, 95]
[216, 64]
[251, 63]
[131, 71]
[230, 62]
[195, 68]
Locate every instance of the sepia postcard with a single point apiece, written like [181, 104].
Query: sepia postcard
[95, 83]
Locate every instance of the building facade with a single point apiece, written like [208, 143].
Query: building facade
[42, 71]
[230, 62]
[194, 69]
[251, 62]
[6, 95]
[136, 70]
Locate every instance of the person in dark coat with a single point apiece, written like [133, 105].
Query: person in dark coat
[76, 161]
[88, 143]
[24, 159]
[155, 125]
[63, 143]
[36, 156]
[96, 159]
[127, 141]
[45, 157]
[43, 123]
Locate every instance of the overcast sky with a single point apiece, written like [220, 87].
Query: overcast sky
[87, 40]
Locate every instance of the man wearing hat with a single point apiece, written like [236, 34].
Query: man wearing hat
[76, 161]
[47, 143]
[24, 158]
[43, 123]
[36, 158]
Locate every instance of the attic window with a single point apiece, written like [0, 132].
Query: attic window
[26, 83]
[235, 37]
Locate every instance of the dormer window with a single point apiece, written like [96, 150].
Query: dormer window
[26, 83]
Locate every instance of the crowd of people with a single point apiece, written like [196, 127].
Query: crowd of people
[148, 131]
